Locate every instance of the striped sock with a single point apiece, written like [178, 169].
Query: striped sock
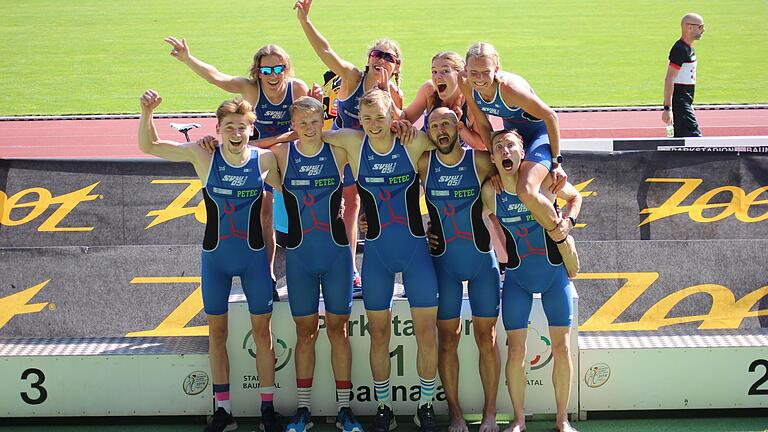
[343, 393]
[383, 392]
[221, 392]
[427, 390]
[304, 392]
[267, 398]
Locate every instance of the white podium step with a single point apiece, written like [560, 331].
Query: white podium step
[104, 377]
[673, 370]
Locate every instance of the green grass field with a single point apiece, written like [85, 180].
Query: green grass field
[96, 56]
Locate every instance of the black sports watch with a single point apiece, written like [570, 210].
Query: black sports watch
[557, 160]
[573, 220]
[667, 108]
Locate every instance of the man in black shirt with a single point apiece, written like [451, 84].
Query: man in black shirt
[680, 82]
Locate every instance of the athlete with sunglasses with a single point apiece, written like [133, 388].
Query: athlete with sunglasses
[384, 59]
[270, 89]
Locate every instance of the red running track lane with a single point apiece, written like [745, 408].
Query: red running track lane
[117, 138]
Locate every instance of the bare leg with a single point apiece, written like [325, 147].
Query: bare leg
[424, 325]
[265, 351]
[529, 181]
[341, 352]
[562, 372]
[515, 371]
[449, 333]
[307, 329]
[217, 348]
[490, 367]
[379, 323]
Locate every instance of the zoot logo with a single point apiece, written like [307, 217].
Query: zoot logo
[739, 204]
[67, 203]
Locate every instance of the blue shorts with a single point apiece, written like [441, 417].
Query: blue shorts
[306, 269]
[536, 145]
[412, 259]
[556, 298]
[219, 267]
[481, 271]
[349, 179]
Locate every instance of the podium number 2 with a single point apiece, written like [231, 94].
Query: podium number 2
[755, 389]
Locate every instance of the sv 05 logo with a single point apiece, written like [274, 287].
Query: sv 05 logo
[739, 204]
[39, 200]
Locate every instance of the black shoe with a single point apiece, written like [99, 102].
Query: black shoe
[222, 421]
[384, 420]
[425, 419]
[270, 421]
[275, 294]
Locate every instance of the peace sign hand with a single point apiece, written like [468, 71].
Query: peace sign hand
[302, 9]
[180, 49]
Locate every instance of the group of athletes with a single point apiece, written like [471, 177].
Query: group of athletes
[489, 194]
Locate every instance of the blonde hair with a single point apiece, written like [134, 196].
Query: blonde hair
[455, 60]
[457, 64]
[376, 96]
[235, 106]
[306, 104]
[270, 50]
[394, 46]
[483, 49]
[515, 135]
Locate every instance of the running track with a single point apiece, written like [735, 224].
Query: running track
[117, 138]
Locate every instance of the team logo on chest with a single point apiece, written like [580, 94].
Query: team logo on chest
[385, 168]
[450, 180]
[311, 170]
[234, 180]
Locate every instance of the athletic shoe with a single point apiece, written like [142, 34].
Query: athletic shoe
[221, 421]
[301, 421]
[357, 286]
[384, 420]
[269, 421]
[425, 419]
[275, 294]
[347, 422]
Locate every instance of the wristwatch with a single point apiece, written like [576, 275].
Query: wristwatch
[573, 220]
[556, 161]
[667, 108]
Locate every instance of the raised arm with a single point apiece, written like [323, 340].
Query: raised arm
[346, 70]
[516, 92]
[416, 109]
[232, 84]
[148, 138]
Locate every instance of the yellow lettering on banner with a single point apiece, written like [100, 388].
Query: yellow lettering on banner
[604, 318]
[16, 304]
[738, 205]
[43, 200]
[175, 323]
[177, 208]
[726, 312]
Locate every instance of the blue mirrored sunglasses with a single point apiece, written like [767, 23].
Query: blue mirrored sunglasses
[267, 70]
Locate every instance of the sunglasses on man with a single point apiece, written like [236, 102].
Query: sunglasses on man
[268, 70]
[387, 57]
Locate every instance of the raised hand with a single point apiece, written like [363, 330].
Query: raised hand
[180, 49]
[559, 177]
[382, 79]
[302, 9]
[150, 100]
[208, 143]
[316, 92]
[404, 130]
